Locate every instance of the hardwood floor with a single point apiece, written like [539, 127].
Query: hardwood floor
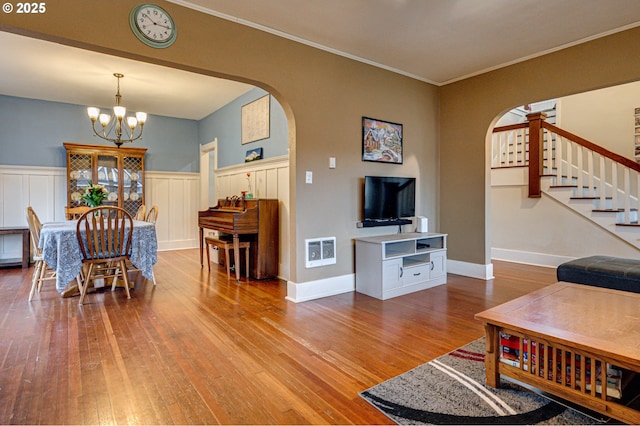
[200, 349]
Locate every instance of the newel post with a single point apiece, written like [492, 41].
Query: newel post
[535, 152]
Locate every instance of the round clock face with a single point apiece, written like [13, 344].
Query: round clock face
[152, 25]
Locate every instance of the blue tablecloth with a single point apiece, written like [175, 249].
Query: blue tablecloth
[61, 251]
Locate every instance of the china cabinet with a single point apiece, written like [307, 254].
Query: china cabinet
[120, 170]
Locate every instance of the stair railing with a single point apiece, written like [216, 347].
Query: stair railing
[596, 172]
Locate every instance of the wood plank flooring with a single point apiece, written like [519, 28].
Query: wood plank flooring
[200, 349]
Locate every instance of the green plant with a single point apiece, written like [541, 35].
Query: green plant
[94, 194]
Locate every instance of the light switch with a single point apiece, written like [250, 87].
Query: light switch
[309, 177]
[332, 162]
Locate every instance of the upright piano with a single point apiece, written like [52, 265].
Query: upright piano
[256, 220]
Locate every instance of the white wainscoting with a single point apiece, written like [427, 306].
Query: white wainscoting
[176, 195]
[268, 178]
[45, 189]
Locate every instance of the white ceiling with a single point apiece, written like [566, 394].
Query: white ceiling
[54, 72]
[437, 41]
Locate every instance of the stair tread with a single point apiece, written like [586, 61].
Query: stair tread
[588, 198]
[570, 186]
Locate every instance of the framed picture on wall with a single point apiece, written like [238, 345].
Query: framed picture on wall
[255, 120]
[381, 141]
[253, 155]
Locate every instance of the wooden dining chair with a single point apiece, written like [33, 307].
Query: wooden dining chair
[41, 271]
[140, 214]
[104, 236]
[74, 213]
[152, 215]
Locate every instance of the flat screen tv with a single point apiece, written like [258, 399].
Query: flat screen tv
[389, 198]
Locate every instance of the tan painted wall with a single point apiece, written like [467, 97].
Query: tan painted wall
[605, 116]
[469, 108]
[323, 95]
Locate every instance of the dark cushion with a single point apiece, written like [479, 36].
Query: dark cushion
[602, 271]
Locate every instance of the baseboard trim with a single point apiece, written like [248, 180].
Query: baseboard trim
[177, 245]
[530, 258]
[303, 292]
[473, 270]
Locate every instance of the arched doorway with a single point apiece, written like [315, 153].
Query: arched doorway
[542, 230]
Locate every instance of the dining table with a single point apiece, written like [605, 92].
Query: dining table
[61, 250]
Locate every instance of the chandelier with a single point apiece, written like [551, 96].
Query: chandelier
[113, 128]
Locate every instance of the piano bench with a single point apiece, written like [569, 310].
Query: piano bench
[227, 246]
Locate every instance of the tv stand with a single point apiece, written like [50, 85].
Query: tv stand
[393, 265]
[383, 222]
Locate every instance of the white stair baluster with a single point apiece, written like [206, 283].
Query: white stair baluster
[569, 163]
[525, 146]
[520, 157]
[549, 156]
[507, 150]
[580, 172]
[627, 195]
[602, 188]
[590, 173]
[637, 206]
[614, 185]
[559, 147]
[494, 136]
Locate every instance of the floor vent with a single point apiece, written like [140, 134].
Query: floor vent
[320, 251]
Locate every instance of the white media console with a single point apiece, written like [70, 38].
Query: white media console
[393, 265]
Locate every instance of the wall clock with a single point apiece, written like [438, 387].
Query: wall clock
[153, 25]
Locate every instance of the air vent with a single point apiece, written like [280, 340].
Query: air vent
[320, 251]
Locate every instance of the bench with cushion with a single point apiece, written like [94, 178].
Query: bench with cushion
[602, 271]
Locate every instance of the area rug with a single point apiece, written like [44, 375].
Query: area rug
[451, 390]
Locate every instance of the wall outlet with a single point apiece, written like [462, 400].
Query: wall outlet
[309, 177]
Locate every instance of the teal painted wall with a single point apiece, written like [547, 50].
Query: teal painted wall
[225, 124]
[32, 133]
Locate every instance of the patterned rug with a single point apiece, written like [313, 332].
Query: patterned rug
[451, 390]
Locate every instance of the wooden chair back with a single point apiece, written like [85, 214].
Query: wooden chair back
[35, 226]
[74, 213]
[152, 216]
[104, 234]
[140, 214]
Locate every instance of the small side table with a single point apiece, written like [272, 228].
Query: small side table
[26, 247]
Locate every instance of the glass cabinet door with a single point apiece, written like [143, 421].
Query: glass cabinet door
[107, 176]
[80, 174]
[132, 184]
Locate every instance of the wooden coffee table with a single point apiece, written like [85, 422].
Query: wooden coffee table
[555, 337]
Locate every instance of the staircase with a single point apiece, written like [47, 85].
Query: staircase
[590, 180]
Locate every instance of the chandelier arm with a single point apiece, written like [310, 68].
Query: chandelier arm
[130, 137]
